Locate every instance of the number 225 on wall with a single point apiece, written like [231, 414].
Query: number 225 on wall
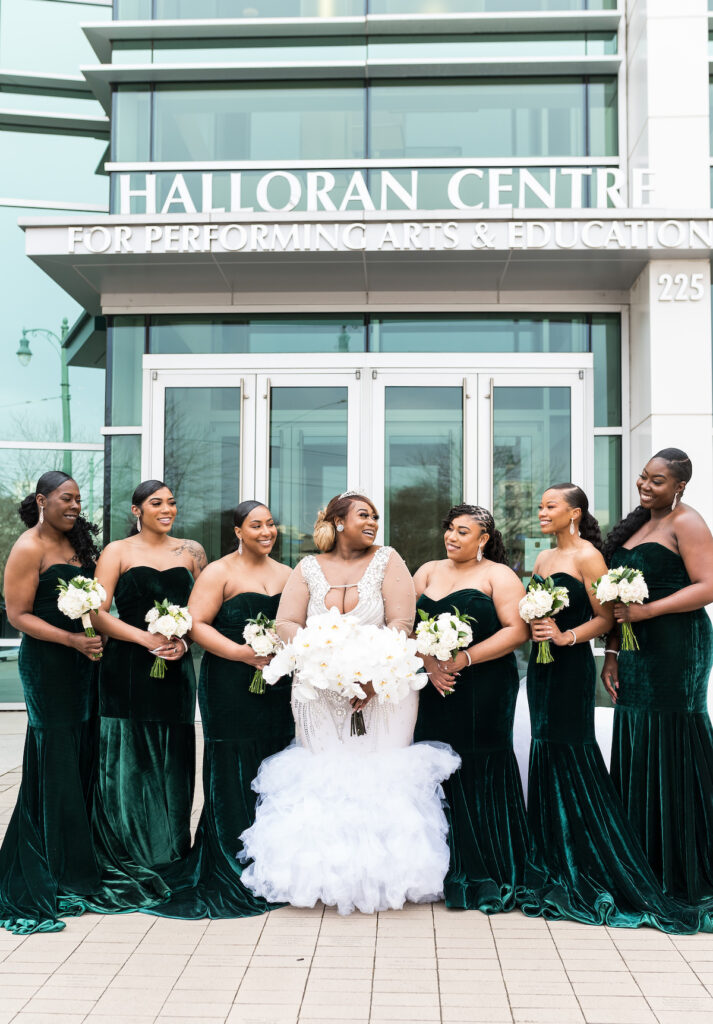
[681, 287]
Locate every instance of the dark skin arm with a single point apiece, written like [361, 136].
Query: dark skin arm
[22, 575]
[205, 602]
[590, 565]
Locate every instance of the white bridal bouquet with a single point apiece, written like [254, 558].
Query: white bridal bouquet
[168, 620]
[625, 585]
[336, 652]
[442, 635]
[78, 597]
[543, 599]
[259, 633]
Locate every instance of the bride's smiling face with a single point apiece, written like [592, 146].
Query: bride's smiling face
[361, 524]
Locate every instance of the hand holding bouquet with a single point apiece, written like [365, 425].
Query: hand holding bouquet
[168, 620]
[78, 597]
[627, 586]
[441, 636]
[259, 633]
[542, 600]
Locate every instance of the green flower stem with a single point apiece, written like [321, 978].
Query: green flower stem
[257, 683]
[544, 653]
[158, 669]
[628, 638]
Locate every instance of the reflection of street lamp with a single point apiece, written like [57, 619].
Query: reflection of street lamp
[24, 355]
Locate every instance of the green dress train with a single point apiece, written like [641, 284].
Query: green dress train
[146, 774]
[662, 750]
[585, 863]
[486, 810]
[240, 729]
[47, 864]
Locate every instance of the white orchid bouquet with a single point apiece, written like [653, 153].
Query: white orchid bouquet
[78, 597]
[336, 652]
[543, 599]
[443, 635]
[167, 620]
[259, 633]
[625, 585]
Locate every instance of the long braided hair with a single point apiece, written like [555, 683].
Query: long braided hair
[494, 549]
[82, 534]
[681, 468]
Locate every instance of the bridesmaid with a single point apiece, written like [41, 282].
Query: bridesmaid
[488, 833]
[145, 786]
[240, 729]
[585, 862]
[47, 864]
[662, 753]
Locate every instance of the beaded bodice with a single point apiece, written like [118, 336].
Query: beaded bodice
[370, 607]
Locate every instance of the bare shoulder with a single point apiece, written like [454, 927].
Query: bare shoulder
[590, 561]
[192, 549]
[283, 571]
[690, 525]
[502, 575]
[26, 553]
[114, 552]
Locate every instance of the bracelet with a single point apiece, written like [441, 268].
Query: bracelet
[574, 638]
[610, 650]
[185, 645]
[468, 657]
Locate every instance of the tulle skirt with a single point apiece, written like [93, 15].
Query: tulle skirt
[359, 831]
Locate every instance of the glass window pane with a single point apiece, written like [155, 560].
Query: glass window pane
[125, 349]
[237, 122]
[602, 117]
[511, 44]
[54, 168]
[19, 471]
[210, 51]
[606, 346]
[308, 461]
[607, 481]
[58, 46]
[123, 473]
[256, 8]
[423, 471]
[202, 462]
[31, 402]
[480, 6]
[507, 117]
[131, 123]
[531, 449]
[483, 332]
[223, 335]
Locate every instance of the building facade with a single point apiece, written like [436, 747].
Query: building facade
[438, 250]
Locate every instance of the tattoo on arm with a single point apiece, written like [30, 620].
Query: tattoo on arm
[195, 551]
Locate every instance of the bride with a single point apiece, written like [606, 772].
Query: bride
[354, 821]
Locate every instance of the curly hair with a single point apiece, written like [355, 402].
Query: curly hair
[82, 534]
[325, 527]
[576, 498]
[494, 549]
[681, 468]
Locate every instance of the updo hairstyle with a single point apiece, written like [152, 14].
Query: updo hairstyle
[325, 527]
[82, 534]
[588, 525]
[241, 513]
[494, 549]
[144, 490]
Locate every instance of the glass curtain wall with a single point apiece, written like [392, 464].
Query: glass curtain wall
[138, 9]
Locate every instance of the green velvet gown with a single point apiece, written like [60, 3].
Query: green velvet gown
[146, 774]
[662, 751]
[47, 863]
[486, 810]
[585, 862]
[240, 729]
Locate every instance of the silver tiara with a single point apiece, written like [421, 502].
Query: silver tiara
[352, 494]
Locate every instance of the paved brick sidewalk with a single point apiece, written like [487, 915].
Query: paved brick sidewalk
[313, 967]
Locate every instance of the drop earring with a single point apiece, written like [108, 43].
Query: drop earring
[479, 556]
[138, 524]
[240, 546]
[42, 515]
[676, 499]
[571, 526]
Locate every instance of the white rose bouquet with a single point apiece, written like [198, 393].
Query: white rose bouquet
[78, 597]
[625, 585]
[168, 620]
[259, 633]
[335, 652]
[543, 599]
[442, 635]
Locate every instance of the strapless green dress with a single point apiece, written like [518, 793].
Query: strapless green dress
[585, 862]
[47, 863]
[146, 774]
[240, 729]
[662, 751]
[486, 810]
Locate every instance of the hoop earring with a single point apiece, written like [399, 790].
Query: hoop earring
[41, 518]
[138, 524]
[571, 526]
[676, 499]
[479, 556]
[340, 527]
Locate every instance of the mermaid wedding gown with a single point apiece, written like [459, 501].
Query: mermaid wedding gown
[354, 821]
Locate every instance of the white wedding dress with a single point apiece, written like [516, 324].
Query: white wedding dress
[354, 821]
